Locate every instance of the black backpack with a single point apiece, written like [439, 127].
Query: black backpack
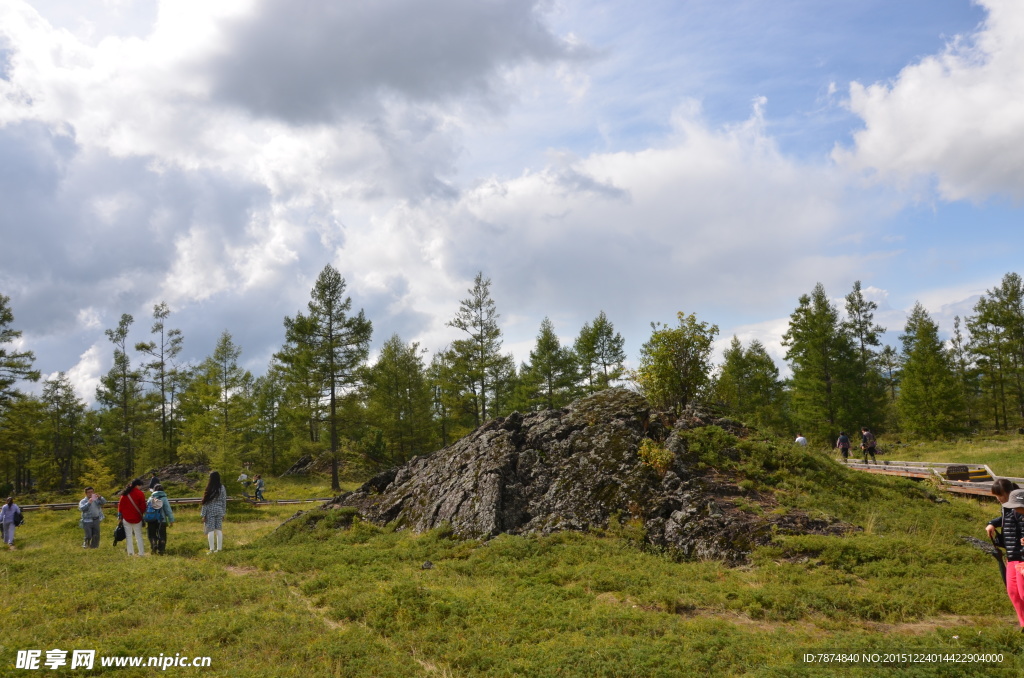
[19, 519]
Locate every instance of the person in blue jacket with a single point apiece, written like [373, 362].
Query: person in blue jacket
[158, 505]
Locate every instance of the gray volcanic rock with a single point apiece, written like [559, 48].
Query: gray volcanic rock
[572, 469]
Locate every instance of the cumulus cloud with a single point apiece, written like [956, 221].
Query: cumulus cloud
[954, 117]
[310, 61]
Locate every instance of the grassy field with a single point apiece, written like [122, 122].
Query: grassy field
[312, 600]
[1004, 453]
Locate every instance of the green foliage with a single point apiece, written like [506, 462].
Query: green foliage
[827, 383]
[14, 365]
[600, 353]
[675, 363]
[551, 375]
[484, 376]
[655, 456]
[398, 400]
[709, 444]
[929, 402]
[326, 350]
[748, 384]
[356, 600]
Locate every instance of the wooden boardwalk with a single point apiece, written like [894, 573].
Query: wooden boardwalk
[973, 479]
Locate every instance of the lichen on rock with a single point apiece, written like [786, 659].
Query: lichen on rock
[575, 468]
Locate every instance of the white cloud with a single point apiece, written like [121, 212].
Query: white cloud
[86, 373]
[954, 116]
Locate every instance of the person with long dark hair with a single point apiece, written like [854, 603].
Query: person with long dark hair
[1011, 524]
[131, 507]
[215, 506]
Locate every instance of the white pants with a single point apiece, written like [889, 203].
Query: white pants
[136, 530]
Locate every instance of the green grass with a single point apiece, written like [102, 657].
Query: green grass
[313, 600]
[1004, 453]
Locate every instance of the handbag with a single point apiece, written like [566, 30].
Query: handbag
[119, 533]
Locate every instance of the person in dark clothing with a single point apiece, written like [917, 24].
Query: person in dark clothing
[867, 444]
[843, 443]
[1013, 530]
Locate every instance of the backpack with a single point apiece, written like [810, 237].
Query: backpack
[154, 510]
[19, 519]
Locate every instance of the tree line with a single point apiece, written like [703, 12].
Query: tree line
[320, 396]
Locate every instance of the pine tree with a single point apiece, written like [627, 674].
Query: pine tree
[929, 402]
[14, 365]
[551, 375]
[824, 364]
[748, 384]
[65, 432]
[398, 400]
[337, 345]
[120, 394]
[162, 371]
[868, 402]
[481, 367]
[600, 354]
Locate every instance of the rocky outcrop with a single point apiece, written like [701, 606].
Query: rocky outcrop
[576, 469]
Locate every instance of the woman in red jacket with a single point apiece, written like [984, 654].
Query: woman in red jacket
[130, 509]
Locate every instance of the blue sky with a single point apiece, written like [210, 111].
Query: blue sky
[716, 157]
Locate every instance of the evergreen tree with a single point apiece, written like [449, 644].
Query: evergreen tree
[600, 353]
[551, 375]
[273, 435]
[824, 363]
[868, 404]
[14, 365]
[480, 366]
[337, 344]
[675, 363]
[929, 401]
[22, 442]
[748, 384]
[162, 372]
[303, 383]
[65, 432]
[398, 400]
[120, 394]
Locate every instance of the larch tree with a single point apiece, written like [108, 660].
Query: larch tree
[824, 363]
[338, 344]
[15, 365]
[600, 353]
[929, 402]
[551, 375]
[478, 359]
[161, 371]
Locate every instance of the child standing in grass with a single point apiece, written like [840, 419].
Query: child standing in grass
[215, 505]
[1005, 491]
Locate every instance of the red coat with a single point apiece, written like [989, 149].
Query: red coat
[132, 512]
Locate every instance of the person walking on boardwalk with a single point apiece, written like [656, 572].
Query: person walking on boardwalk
[130, 509]
[1012, 524]
[158, 516]
[91, 507]
[867, 444]
[215, 506]
[843, 443]
[259, 487]
[10, 517]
